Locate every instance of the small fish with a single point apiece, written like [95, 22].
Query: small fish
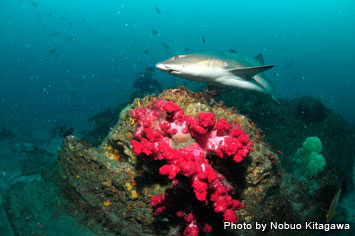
[287, 66]
[333, 206]
[186, 49]
[55, 34]
[70, 38]
[165, 45]
[203, 39]
[146, 52]
[70, 23]
[233, 51]
[155, 32]
[63, 18]
[34, 4]
[157, 10]
[52, 51]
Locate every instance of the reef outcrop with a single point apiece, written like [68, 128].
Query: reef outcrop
[115, 185]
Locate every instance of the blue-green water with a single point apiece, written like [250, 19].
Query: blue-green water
[99, 46]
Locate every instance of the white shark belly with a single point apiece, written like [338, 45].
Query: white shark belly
[204, 74]
[231, 80]
[225, 78]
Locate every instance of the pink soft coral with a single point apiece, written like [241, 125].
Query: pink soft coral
[164, 124]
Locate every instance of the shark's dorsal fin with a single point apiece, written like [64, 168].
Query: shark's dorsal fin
[260, 58]
[249, 72]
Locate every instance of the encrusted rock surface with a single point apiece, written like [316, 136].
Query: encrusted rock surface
[112, 188]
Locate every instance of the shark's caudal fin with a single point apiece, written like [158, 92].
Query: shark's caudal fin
[249, 72]
[260, 58]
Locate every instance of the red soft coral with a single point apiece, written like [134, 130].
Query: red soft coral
[164, 124]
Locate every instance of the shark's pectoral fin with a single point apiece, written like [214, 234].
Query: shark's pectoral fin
[259, 58]
[249, 72]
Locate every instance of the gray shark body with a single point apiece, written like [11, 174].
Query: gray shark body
[221, 70]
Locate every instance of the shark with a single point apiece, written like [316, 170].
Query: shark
[221, 70]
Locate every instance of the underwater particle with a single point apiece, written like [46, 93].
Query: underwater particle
[71, 38]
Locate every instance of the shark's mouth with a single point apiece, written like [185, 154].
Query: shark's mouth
[174, 72]
[169, 70]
